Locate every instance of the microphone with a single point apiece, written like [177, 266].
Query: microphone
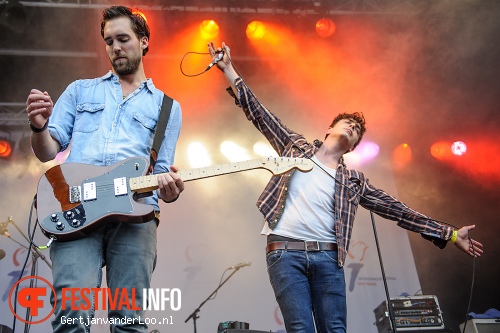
[220, 55]
[2, 254]
[241, 264]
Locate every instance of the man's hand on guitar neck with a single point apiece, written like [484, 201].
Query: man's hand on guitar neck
[170, 185]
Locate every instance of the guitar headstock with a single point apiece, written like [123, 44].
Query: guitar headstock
[280, 165]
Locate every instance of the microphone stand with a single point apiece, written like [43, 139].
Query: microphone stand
[35, 254]
[384, 278]
[194, 315]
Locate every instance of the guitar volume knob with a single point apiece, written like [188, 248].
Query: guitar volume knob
[69, 215]
[75, 223]
[59, 225]
[54, 217]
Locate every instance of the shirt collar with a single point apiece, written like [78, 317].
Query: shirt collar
[112, 76]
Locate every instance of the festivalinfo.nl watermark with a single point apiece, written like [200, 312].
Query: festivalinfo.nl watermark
[35, 301]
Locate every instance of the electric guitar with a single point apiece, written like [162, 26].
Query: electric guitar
[74, 199]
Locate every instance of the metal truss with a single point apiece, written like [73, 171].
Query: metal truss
[304, 7]
[13, 116]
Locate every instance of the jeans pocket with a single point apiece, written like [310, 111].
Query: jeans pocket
[273, 257]
[333, 255]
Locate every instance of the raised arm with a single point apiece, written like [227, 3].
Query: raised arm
[225, 64]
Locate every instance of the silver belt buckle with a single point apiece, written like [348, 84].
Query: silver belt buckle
[312, 245]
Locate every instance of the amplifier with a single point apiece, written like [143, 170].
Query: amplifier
[410, 313]
[481, 326]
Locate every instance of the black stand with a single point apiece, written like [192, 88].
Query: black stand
[194, 315]
[35, 254]
[384, 278]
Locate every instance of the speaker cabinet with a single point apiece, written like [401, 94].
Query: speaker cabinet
[481, 326]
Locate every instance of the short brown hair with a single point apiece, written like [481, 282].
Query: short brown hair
[357, 117]
[139, 24]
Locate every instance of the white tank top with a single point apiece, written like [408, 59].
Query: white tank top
[309, 208]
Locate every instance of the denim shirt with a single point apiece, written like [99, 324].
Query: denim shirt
[104, 129]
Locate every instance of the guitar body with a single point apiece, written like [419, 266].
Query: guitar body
[73, 199]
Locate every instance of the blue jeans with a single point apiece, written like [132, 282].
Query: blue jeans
[309, 287]
[129, 253]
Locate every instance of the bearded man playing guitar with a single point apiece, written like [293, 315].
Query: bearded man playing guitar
[107, 120]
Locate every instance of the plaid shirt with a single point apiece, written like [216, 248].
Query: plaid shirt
[352, 188]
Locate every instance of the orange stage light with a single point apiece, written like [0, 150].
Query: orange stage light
[5, 148]
[255, 30]
[401, 156]
[441, 150]
[209, 29]
[325, 27]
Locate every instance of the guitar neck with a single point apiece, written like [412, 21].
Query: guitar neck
[149, 183]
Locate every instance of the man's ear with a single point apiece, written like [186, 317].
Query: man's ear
[144, 42]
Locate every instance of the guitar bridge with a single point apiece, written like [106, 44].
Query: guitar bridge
[75, 194]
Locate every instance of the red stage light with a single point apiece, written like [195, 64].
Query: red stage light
[5, 148]
[209, 29]
[255, 30]
[325, 27]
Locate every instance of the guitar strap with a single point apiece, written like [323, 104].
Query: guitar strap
[161, 126]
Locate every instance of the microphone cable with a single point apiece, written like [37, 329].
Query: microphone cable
[31, 243]
[219, 58]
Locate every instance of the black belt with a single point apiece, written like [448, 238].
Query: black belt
[304, 246]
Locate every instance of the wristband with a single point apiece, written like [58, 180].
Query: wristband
[39, 130]
[453, 238]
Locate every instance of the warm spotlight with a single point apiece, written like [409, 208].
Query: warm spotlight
[209, 29]
[458, 148]
[255, 30]
[401, 156]
[441, 150]
[264, 149]
[325, 27]
[5, 148]
[233, 152]
[198, 155]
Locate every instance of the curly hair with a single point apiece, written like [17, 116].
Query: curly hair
[357, 117]
[139, 24]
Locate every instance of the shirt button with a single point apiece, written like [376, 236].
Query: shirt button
[114, 124]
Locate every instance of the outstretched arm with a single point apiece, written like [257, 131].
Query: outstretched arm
[466, 244]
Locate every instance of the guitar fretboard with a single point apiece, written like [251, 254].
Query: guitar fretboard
[150, 182]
